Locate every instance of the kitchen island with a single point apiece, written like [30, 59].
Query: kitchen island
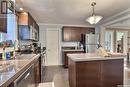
[65, 57]
[11, 70]
[93, 70]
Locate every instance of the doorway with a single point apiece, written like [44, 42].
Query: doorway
[121, 41]
[52, 45]
[116, 41]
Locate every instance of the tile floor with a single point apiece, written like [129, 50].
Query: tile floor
[59, 75]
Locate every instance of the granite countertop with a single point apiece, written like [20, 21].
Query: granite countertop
[12, 69]
[72, 50]
[93, 57]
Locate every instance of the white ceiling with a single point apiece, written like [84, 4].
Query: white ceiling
[122, 24]
[73, 12]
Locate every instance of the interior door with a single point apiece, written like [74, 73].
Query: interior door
[52, 44]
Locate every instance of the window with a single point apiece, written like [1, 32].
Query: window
[109, 40]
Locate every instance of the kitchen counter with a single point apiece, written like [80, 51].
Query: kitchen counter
[93, 70]
[73, 50]
[94, 56]
[12, 69]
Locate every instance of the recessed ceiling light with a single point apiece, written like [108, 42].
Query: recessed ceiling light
[21, 9]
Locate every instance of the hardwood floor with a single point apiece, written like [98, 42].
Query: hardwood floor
[53, 72]
[56, 74]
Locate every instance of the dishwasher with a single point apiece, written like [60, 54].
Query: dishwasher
[26, 79]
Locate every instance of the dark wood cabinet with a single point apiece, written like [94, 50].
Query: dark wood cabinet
[74, 33]
[3, 23]
[65, 57]
[29, 76]
[25, 19]
[99, 73]
[37, 72]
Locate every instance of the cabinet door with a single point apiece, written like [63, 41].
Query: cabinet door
[88, 74]
[74, 33]
[31, 21]
[37, 73]
[3, 24]
[112, 73]
[71, 34]
[67, 34]
[23, 18]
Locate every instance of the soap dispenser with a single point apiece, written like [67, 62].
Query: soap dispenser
[3, 54]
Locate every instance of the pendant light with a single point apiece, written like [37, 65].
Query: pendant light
[94, 19]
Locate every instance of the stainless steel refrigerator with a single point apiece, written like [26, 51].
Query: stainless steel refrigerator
[91, 43]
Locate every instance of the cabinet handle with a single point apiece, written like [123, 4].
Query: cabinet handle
[27, 76]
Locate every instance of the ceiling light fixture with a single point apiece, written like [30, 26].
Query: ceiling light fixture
[94, 19]
[21, 9]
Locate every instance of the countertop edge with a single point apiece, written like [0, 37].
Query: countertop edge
[10, 80]
[89, 58]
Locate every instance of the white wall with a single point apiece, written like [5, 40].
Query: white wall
[97, 29]
[42, 35]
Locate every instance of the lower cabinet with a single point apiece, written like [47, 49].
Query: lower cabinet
[98, 73]
[37, 73]
[30, 78]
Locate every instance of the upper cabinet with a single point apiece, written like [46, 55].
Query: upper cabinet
[74, 33]
[3, 23]
[6, 7]
[23, 18]
[28, 28]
